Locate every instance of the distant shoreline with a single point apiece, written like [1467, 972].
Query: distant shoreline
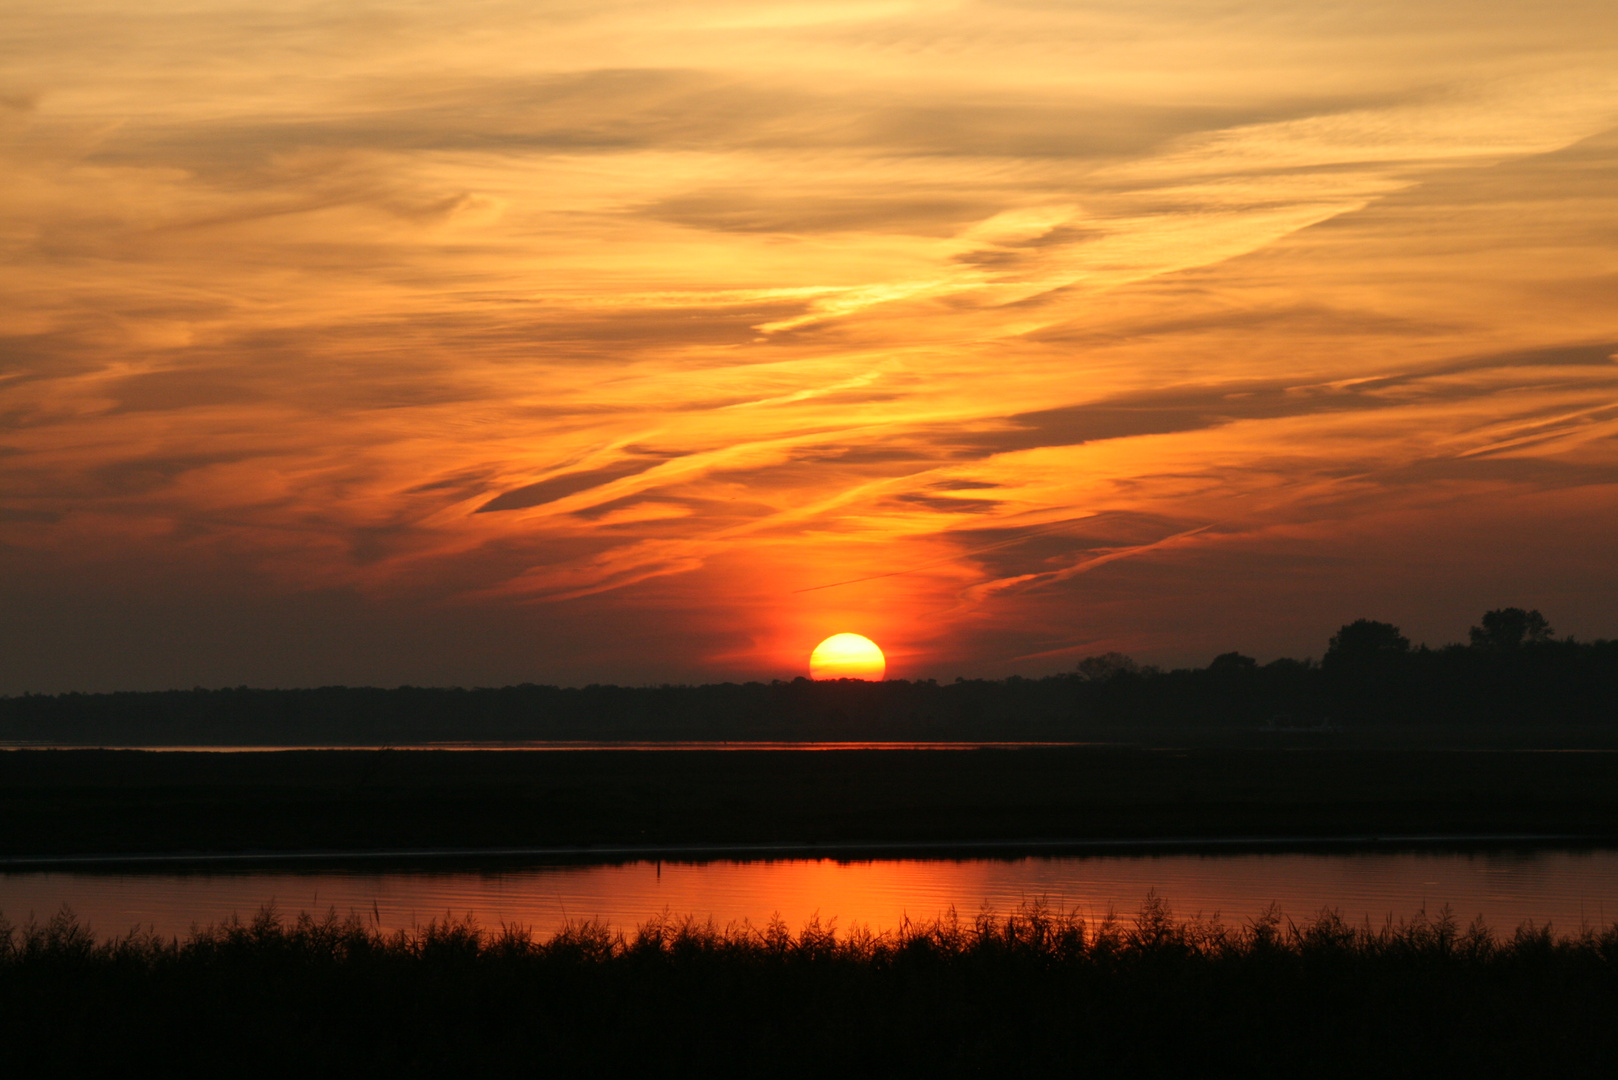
[746, 801]
[842, 851]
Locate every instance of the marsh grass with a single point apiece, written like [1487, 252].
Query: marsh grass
[1035, 989]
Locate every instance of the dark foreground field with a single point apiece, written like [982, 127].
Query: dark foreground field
[80, 802]
[1033, 994]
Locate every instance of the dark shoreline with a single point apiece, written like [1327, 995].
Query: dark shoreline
[842, 852]
[278, 804]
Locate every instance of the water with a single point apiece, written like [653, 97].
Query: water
[1569, 889]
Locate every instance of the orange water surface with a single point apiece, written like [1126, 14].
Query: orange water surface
[1568, 888]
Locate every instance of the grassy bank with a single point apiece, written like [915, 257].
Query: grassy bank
[1145, 996]
[89, 801]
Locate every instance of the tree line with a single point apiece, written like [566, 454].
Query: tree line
[1512, 670]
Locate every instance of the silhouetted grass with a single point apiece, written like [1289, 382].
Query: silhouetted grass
[1034, 990]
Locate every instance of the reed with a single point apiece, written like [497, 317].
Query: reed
[1153, 994]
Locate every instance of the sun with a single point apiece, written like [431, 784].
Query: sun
[847, 656]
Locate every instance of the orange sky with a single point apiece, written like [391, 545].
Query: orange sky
[571, 342]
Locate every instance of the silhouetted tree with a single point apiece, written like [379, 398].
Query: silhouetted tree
[1232, 664]
[1510, 628]
[1368, 666]
[1365, 640]
[1107, 666]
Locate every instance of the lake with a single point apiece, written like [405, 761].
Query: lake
[1570, 889]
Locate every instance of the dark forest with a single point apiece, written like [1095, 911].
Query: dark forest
[1511, 671]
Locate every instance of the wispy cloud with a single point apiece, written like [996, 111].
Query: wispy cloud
[669, 337]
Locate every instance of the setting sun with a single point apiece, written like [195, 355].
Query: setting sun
[847, 656]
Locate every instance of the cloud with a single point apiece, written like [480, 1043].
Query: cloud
[619, 110]
[963, 485]
[570, 483]
[1541, 474]
[1015, 549]
[179, 388]
[1194, 408]
[814, 212]
[143, 475]
[913, 317]
[9, 514]
[948, 505]
[865, 455]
